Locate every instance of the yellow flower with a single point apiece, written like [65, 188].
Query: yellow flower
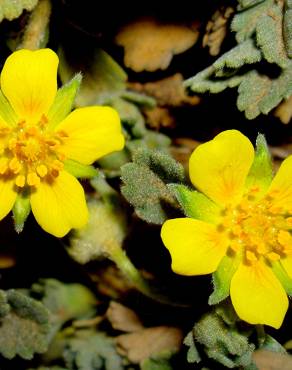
[40, 141]
[239, 227]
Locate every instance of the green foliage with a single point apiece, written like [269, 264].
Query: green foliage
[194, 204]
[21, 210]
[24, 325]
[287, 27]
[64, 101]
[261, 172]
[89, 350]
[145, 184]
[156, 364]
[64, 301]
[13, 9]
[80, 170]
[106, 228]
[221, 337]
[259, 33]
[103, 78]
[222, 278]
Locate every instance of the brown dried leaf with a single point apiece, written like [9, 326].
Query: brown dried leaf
[159, 117]
[216, 29]
[150, 45]
[284, 111]
[149, 342]
[167, 92]
[267, 360]
[123, 318]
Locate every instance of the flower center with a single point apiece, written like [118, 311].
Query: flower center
[258, 228]
[31, 153]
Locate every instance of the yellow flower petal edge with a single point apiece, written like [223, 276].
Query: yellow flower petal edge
[33, 150]
[59, 206]
[92, 133]
[219, 167]
[29, 82]
[257, 295]
[253, 228]
[197, 240]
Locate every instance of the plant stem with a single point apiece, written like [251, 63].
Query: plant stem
[36, 32]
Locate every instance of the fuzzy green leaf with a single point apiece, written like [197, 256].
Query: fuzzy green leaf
[244, 23]
[259, 33]
[90, 350]
[65, 301]
[269, 36]
[24, 327]
[103, 78]
[104, 232]
[195, 204]
[244, 53]
[193, 355]
[287, 28]
[156, 364]
[64, 101]
[13, 9]
[80, 170]
[222, 343]
[248, 3]
[145, 184]
[260, 94]
[21, 210]
[222, 278]
[204, 81]
[261, 172]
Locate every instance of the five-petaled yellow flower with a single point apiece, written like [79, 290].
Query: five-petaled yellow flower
[36, 142]
[243, 227]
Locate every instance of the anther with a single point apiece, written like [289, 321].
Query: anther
[272, 256]
[42, 170]
[33, 179]
[20, 181]
[15, 165]
[250, 256]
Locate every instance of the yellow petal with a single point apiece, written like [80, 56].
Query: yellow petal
[7, 197]
[257, 295]
[195, 246]
[59, 206]
[29, 82]
[219, 167]
[281, 186]
[92, 133]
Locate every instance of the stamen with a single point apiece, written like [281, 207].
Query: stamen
[250, 256]
[33, 179]
[20, 181]
[42, 170]
[15, 165]
[272, 256]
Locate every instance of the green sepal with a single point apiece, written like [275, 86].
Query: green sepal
[64, 100]
[261, 172]
[80, 170]
[6, 111]
[283, 277]
[195, 204]
[222, 277]
[21, 210]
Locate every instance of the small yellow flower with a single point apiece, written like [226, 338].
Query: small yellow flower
[241, 230]
[36, 142]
